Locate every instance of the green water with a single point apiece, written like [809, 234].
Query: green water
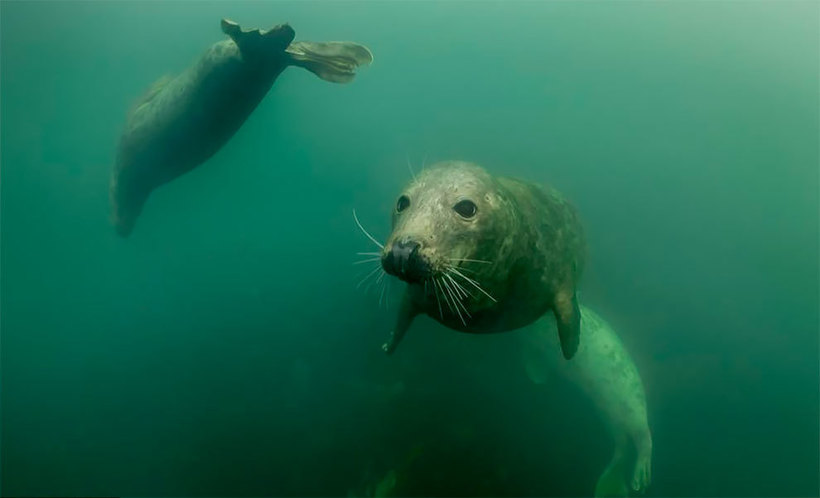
[223, 349]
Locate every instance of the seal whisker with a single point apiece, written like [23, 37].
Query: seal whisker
[368, 254]
[381, 275]
[356, 218]
[438, 301]
[471, 260]
[463, 307]
[410, 167]
[455, 301]
[460, 287]
[457, 288]
[441, 287]
[473, 283]
[366, 261]
[460, 301]
[460, 268]
[367, 277]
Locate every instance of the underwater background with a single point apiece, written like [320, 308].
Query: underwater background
[225, 349]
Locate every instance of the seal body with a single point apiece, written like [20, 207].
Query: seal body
[606, 373]
[484, 254]
[182, 121]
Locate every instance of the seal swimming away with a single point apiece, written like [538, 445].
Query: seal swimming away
[183, 121]
[485, 254]
[606, 373]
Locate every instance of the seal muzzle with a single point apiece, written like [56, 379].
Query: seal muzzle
[404, 261]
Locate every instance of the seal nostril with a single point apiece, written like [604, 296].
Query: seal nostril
[403, 258]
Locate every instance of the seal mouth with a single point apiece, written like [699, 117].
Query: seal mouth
[404, 261]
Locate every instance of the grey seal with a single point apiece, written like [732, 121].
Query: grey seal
[485, 254]
[183, 121]
[604, 370]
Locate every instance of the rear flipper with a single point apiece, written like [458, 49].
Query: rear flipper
[628, 464]
[332, 61]
[613, 480]
[642, 473]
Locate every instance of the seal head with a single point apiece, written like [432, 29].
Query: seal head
[484, 254]
[447, 215]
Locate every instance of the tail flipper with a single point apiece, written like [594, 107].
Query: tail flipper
[332, 61]
[612, 482]
[642, 473]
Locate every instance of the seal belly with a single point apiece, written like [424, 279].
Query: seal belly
[183, 124]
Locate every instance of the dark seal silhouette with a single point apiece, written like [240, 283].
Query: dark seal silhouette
[184, 120]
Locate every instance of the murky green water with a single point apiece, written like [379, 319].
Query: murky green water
[223, 349]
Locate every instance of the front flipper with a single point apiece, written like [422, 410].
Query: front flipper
[407, 312]
[568, 316]
[332, 61]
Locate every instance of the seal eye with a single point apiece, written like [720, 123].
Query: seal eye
[465, 208]
[402, 204]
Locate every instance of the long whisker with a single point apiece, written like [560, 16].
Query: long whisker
[438, 301]
[456, 301]
[470, 270]
[460, 301]
[473, 283]
[356, 218]
[471, 260]
[376, 282]
[410, 167]
[456, 287]
[367, 277]
[366, 261]
[452, 281]
[441, 287]
[368, 254]
[449, 278]
[460, 287]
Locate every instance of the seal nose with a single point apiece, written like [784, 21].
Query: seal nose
[404, 261]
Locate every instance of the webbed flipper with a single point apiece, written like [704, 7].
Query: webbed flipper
[568, 316]
[334, 61]
[612, 482]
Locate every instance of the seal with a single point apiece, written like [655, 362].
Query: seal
[485, 254]
[606, 373]
[182, 121]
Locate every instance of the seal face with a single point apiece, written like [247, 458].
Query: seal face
[484, 254]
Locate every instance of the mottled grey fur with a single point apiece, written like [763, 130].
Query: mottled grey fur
[531, 235]
[605, 371]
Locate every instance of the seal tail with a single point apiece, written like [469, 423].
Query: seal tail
[332, 61]
[613, 481]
